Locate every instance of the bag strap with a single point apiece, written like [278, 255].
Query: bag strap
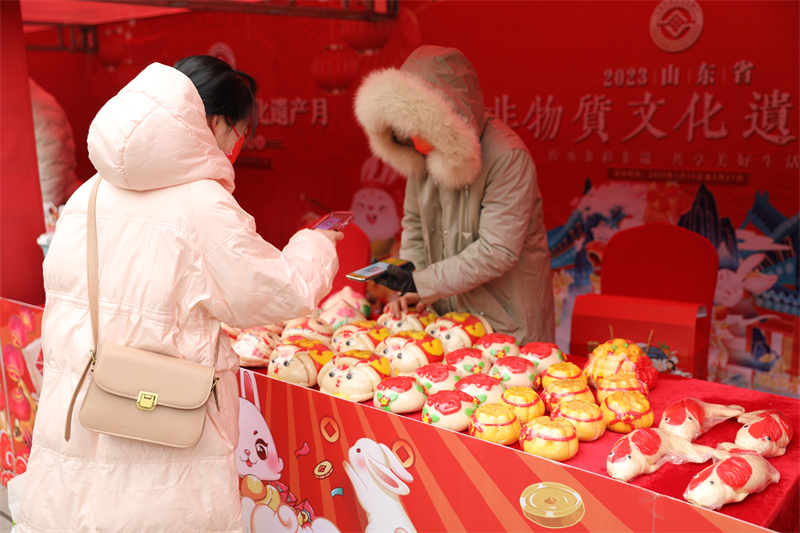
[91, 267]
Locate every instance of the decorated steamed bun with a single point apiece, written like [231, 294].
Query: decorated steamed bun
[565, 390]
[468, 361]
[525, 402]
[485, 389]
[299, 362]
[255, 346]
[458, 330]
[353, 375]
[542, 354]
[409, 350]
[354, 299]
[408, 321]
[617, 356]
[767, 432]
[623, 382]
[495, 422]
[496, 345]
[515, 371]
[399, 394]
[587, 417]
[309, 327]
[626, 411]
[362, 335]
[341, 313]
[555, 438]
[436, 376]
[565, 370]
[449, 409]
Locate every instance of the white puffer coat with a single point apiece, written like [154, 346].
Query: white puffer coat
[177, 255]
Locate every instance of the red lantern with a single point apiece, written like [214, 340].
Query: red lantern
[367, 37]
[334, 69]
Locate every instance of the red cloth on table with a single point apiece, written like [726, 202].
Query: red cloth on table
[777, 507]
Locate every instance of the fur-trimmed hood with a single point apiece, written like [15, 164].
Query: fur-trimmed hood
[436, 95]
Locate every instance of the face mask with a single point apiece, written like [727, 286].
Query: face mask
[236, 147]
[421, 145]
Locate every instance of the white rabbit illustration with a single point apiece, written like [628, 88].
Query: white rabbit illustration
[378, 480]
[257, 457]
[255, 452]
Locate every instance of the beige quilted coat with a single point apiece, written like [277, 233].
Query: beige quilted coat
[177, 255]
[473, 221]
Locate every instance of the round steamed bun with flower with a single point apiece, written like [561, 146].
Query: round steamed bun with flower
[515, 371]
[437, 376]
[468, 361]
[493, 346]
[399, 394]
[542, 354]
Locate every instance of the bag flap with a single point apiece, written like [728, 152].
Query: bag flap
[126, 371]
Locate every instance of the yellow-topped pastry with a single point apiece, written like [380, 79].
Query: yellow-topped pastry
[587, 417]
[626, 411]
[555, 439]
[564, 370]
[525, 402]
[623, 382]
[565, 390]
[495, 422]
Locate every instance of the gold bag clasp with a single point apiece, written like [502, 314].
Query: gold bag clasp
[147, 401]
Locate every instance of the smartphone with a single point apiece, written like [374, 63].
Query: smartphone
[335, 221]
[376, 269]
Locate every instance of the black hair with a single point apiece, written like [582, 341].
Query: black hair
[224, 91]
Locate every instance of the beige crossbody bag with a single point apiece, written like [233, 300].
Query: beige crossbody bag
[138, 394]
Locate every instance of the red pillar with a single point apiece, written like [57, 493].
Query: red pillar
[21, 216]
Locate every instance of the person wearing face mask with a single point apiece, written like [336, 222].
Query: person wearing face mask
[473, 219]
[177, 256]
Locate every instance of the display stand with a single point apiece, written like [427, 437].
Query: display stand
[356, 467]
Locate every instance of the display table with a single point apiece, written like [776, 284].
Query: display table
[462, 483]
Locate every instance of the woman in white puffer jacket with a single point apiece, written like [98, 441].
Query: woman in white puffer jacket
[177, 256]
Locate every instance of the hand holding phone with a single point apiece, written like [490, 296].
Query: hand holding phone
[377, 269]
[335, 221]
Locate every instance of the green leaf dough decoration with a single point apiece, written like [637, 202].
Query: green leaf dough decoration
[481, 398]
[469, 411]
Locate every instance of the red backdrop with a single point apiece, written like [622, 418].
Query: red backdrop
[634, 111]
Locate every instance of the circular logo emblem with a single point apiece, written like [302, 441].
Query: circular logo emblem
[676, 25]
[224, 52]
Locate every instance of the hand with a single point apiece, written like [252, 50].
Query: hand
[398, 279]
[397, 308]
[332, 235]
